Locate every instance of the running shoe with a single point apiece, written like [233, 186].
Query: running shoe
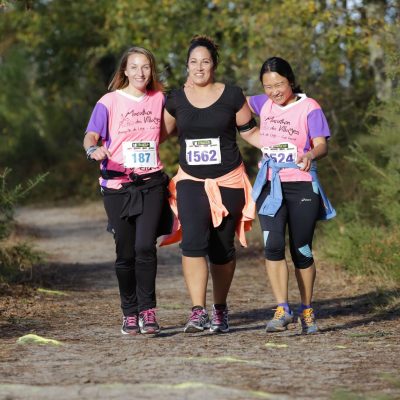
[308, 324]
[280, 321]
[198, 321]
[130, 325]
[219, 320]
[148, 323]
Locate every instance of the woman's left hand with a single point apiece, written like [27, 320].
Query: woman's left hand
[304, 162]
[319, 150]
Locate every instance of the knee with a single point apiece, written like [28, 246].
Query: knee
[145, 252]
[222, 257]
[222, 248]
[302, 257]
[195, 245]
[274, 246]
[123, 264]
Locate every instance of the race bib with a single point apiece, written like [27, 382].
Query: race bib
[203, 151]
[139, 154]
[281, 153]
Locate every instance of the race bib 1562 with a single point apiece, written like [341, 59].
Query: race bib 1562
[203, 151]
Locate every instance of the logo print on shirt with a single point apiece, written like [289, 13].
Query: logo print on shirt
[281, 125]
[134, 121]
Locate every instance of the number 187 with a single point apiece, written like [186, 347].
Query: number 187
[141, 157]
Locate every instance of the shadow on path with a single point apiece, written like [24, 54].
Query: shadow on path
[364, 309]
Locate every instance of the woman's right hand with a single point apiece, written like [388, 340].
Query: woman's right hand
[101, 153]
[90, 140]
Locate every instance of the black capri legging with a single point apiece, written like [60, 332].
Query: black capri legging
[199, 237]
[299, 210]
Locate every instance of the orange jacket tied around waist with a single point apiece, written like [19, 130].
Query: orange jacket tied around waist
[236, 179]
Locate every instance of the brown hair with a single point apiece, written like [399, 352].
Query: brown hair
[120, 80]
[208, 43]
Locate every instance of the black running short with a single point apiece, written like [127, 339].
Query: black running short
[199, 237]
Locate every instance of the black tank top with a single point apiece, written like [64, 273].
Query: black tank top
[215, 121]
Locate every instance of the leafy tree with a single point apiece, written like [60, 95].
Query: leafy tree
[57, 57]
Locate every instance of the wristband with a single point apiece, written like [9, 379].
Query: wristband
[90, 150]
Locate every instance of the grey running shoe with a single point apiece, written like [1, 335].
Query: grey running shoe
[130, 325]
[148, 323]
[280, 321]
[308, 324]
[198, 321]
[219, 321]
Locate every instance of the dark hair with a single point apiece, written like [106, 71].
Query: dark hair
[282, 67]
[120, 80]
[208, 43]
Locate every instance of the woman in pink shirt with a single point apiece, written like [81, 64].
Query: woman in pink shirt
[123, 135]
[294, 133]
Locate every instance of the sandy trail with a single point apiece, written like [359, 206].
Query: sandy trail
[356, 351]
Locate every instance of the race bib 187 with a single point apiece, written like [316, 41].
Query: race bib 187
[203, 151]
[281, 153]
[139, 154]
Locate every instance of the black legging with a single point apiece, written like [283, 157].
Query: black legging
[135, 242]
[299, 210]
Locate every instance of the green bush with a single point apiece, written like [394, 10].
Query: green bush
[17, 260]
[364, 249]
[8, 199]
[364, 238]
[14, 257]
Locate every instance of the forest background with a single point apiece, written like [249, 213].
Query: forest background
[57, 58]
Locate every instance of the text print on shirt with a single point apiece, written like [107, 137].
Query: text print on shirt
[281, 125]
[134, 121]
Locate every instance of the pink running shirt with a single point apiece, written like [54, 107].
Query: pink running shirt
[119, 117]
[297, 123]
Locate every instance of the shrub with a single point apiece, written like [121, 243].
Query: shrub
[364, 238]
[14, 257]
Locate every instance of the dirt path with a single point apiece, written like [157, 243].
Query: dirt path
[355, 356]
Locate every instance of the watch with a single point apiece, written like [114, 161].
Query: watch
[90, 150]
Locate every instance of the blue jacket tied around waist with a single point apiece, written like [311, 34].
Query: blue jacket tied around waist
[273, 201]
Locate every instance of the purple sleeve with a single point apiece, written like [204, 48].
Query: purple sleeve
[317, 124]
[257, 102]
[98, 122]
